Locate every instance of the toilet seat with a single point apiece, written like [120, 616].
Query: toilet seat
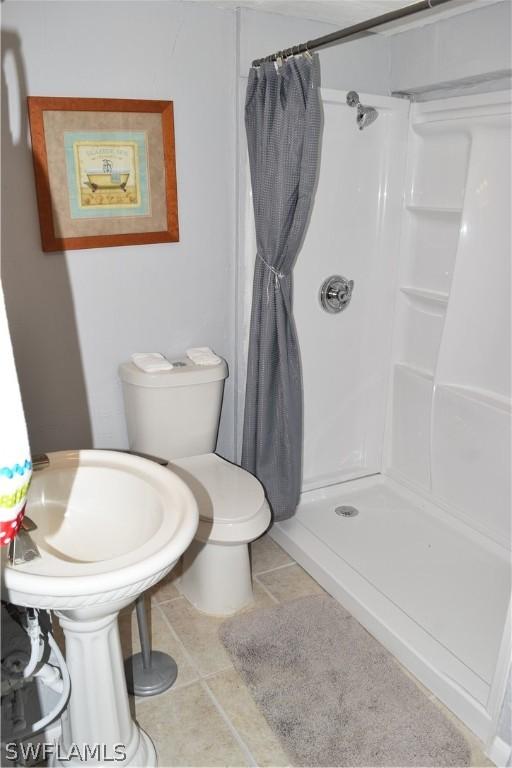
[231, 501]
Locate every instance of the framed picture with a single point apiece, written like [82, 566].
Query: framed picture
[105, 171]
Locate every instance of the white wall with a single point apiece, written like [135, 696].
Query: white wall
[74, 317]
[470, 47]
[505, 723]
[361, 65]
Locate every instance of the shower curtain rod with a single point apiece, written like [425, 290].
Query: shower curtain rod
[347, 32]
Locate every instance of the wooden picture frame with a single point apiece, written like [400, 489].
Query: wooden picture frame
[105, 171]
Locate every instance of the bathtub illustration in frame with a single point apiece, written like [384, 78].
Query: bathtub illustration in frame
[104, 170]
[107, 173]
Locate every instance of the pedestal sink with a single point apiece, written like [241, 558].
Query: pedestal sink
[109, 525]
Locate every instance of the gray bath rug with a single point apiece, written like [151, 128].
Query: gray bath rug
[333, 694]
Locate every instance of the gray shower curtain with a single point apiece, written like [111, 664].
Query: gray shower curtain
[283, 123]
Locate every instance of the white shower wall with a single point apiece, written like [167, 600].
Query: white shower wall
[354, 232]
[448, 432]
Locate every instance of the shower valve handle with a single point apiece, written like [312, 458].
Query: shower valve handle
[335, 293]
[341, 292]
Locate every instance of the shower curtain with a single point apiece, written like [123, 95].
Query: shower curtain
[283, 123]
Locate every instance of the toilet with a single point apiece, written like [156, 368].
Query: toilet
[174, 415]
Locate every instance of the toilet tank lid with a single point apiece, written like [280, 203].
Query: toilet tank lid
[184, 373]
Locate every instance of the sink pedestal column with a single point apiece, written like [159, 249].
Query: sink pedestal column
[98, 716]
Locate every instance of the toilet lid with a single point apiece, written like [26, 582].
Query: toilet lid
[217, 484]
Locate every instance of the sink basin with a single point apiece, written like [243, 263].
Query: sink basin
[109, 526]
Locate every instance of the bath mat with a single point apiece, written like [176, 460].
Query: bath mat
[334, 695]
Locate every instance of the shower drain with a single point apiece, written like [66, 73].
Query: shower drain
[346, 511]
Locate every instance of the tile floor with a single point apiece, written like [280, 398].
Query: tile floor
[208, 717]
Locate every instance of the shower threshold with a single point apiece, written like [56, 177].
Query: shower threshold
[430, 588]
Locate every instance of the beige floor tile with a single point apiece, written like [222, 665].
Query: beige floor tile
[199, 632]
[167, 589]
[231, 692]
[187, 729]
[266, 554]
[162, 640]
[289, 583]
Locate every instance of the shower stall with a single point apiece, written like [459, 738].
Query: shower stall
[407, 390]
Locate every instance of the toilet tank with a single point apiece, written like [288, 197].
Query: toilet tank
[173, 414]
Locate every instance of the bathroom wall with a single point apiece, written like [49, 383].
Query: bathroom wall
[354, 231]
[375, 64]
[361, 64]
[450, 427]
[505, 721]
[467, 48]
[445, 51]
[74, 317]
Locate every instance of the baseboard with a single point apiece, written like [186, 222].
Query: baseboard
[499, 752]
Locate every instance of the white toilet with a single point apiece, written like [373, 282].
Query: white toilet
[174, 415]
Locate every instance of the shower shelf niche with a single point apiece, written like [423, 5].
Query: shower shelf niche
[419, 330]
[423, 373]
[441, 209]
[486, 397]
[425, 294]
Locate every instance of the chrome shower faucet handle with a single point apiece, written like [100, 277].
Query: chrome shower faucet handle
[336, 293]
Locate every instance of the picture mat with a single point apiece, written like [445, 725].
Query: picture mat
[56, 123]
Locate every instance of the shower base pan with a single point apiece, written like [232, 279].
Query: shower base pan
[429, 588]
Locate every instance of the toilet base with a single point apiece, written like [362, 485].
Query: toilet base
[217, 577]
